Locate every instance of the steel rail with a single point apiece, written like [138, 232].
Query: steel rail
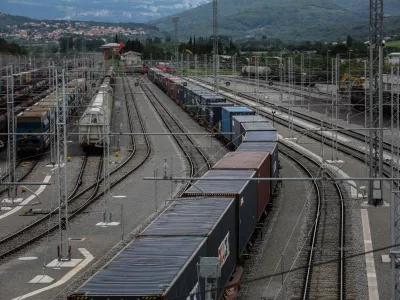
[316, 228]
[93, 197]
[359, 136]
[344, 148]
[167, 118]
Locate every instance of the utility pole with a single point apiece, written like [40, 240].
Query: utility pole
[395, 195]
[175, 20]
[53, 129]
[12, 190]
[64, 248]
[106, 166]
[374, 105]
[215, 46]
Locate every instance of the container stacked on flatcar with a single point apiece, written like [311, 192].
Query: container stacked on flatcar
[215, 218]
[257, 161]
[227, 122]
[272, 149]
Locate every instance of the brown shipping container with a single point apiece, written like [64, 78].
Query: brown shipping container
[255, 161]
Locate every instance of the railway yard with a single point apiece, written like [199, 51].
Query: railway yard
[175, 192]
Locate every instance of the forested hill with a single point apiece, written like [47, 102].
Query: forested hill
[284, 19]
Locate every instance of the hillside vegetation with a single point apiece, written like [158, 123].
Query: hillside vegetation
[11, 48]
[285, 19]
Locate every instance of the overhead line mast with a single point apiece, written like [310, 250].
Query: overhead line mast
[375, 100]
[175, 20]
[215, 46]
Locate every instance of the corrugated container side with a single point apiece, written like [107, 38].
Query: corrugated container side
[247, 206]
[257, 161]
[250, 119]
[149, 268]
[215, 112]
[243, 127]
[238, 134]
[274, 167]
[205, 101]
[270, 147]
[214, 218]
[244, 191]
[257, 126]
[228, 113]
[261, 136]
[181, 93]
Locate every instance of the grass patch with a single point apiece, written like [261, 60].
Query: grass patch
[393, 44]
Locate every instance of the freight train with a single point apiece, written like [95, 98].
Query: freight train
[30, 93]
[97, 116]
[37, 118]
[210, 225]
[251, 71]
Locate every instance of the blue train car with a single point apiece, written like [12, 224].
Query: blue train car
[228, 113]
[215, 112]
[32, 122]
[245, 193]
[214, 218]
[153, 268]
[241, 128]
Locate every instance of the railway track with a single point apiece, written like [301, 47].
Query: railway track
[22, 170]
[276, 86]
[84, 193]
[317, 122]
[195, 156]
[346, 148]
[327, 238]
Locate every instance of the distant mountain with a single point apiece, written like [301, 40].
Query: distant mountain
[98, 10]
[285, 19]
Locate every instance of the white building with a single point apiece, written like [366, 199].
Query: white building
[132, 58]
[393, 58]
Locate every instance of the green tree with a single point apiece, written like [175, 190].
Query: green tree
[349, 41]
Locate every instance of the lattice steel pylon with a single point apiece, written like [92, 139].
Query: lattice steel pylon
[106, 156]
[375, 101]
[53, 127]
[395, 187]
[64, 248]
[215, 47]
[11, 147]
[175, 20]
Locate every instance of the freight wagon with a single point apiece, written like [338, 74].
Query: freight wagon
[44, 111]
[256, 161]
[97, 118]
[212, 219]
[239, 128]
[245, 193]
[226, 119]
[207, 228]
[269, 147]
